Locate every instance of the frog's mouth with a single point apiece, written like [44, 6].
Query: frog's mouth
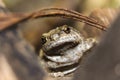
[59, 46]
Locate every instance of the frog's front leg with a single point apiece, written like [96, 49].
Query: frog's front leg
[63, 49]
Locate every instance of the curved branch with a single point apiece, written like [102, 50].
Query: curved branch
[11, 19]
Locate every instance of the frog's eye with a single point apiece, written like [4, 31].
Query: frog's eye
[67, 30]
[43, 40]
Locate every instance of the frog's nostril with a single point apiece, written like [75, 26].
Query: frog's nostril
[43, 40]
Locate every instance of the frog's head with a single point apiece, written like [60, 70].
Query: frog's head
[60, 39]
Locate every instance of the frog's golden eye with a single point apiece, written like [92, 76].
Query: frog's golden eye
[67, 30]
[43, 40]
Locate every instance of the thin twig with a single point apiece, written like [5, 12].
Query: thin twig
[59, 12]
[51, 12]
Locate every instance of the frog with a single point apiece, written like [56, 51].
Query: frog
[62, 50]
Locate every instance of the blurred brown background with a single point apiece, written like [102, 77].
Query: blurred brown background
[32, 30]
[102, 10]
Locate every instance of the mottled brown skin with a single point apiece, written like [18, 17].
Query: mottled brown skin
[62, 50]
